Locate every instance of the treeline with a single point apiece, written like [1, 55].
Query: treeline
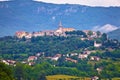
[76, 33]
[40, 71]
[6, 72]
[115, 54]
[48, 44]
[37, 72]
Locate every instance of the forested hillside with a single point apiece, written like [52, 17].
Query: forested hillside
[38, 57]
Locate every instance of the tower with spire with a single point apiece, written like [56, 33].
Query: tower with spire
[60, 28]
[60, 25]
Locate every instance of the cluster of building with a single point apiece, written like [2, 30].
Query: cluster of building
[32, 59]
[59, 32]
[81, 56]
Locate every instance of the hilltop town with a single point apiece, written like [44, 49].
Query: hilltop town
[64, 50]
[59, 32]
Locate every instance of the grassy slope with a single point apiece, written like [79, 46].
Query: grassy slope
[65, 77]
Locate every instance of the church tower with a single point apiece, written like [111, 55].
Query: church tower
[60, 25]
[60, 28]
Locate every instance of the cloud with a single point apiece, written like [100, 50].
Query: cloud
[103, 3]
[105, 28]
[94, 3]
[4, 0]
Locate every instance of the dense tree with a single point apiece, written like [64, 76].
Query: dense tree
[77, 33]
[5, 72]
[90, 33]
[49, 45]
[104, 37]
[98, 33]
[19, 71]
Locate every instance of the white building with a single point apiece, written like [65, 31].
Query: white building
[97, 44]
[82, 56]
[32, 58]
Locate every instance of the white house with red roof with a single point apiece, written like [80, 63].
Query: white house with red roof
[56, 57]
[32, 58]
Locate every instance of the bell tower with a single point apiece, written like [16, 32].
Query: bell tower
[60, 28]
[60, 25]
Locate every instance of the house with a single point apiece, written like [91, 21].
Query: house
[4, 61]
[28, 36]
[95, 78]
[32, 58]
[99, 69]
[9, 62]
[86, 31]
[94, 58]
[40, 54]
[24, 62]
[110, 49]
[68, 29]
[49, 32]
[40, 33]
[83, 55]
[97, 44]
[21, 34]
[31, 63]
[56, 57]
[84, 39]
[68, 55]
[94, 34]
[72, 60]
[73, 54]
[89, 52]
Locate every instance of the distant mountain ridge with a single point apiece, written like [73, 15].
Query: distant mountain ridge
[115, 34]
[32, 16]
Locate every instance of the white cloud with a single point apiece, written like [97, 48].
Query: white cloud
[104, 3]
[4, 0]
[105, 28]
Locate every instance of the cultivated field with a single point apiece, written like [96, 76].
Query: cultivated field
[65, 77]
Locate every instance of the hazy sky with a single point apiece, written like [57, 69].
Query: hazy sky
[105, 3]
